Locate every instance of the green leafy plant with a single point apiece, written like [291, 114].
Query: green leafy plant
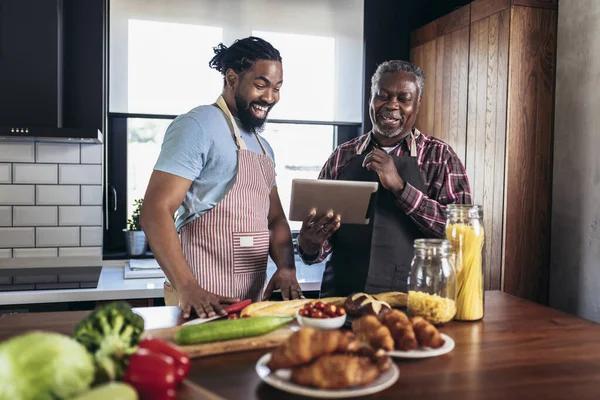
[133, 222]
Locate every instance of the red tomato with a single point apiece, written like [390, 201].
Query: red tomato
[182, 361]
[152, 375]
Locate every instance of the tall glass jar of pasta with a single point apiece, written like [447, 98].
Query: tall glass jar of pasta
[464, 229]
[432, 282]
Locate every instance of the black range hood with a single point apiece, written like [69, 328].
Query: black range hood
[52, 70]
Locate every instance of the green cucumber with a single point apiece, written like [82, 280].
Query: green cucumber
[229, 329]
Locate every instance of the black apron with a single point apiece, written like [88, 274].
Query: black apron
[374, 258]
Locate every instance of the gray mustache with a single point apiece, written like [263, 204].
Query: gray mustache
[389, 114]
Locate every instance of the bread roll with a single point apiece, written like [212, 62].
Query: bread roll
[275, 308]
[336, 301]
[252, 308]
[394, 299]
[354, 302]
[374, 307]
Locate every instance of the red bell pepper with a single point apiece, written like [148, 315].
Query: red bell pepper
[152, 375]
[237, 307]
[181, 360]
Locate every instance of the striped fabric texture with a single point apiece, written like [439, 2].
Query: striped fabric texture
[228, 247]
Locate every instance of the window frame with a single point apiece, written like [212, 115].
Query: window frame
[115, 169]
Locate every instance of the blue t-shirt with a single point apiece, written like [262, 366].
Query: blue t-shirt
[200, 146]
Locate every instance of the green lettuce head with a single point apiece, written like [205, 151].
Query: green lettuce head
[44, 365]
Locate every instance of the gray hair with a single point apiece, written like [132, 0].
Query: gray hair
[398, 66]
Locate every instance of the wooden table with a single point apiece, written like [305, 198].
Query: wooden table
[520, 350]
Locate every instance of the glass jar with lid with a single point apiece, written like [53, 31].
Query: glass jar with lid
[432, 281]
[464, 229]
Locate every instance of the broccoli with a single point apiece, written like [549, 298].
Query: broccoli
[110, 334]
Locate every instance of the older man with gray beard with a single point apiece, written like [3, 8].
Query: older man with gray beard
[418, 176]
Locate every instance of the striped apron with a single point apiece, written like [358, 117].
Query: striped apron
[227, 248]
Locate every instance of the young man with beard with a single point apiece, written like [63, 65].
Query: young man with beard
[220, 174]
[418, 176]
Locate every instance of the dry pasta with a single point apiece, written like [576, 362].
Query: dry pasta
[432, 307]
[467, 242]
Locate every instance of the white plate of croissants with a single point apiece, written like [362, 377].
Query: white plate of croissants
[327, 364]
[391, 330]
[402, 337]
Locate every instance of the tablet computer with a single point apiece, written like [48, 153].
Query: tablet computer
[350, 199]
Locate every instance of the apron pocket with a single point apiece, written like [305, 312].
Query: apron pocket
[250, 251]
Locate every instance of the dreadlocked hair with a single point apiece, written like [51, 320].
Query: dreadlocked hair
[242, 54]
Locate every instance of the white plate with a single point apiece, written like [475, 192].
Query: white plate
[280, 379]
[425, 352]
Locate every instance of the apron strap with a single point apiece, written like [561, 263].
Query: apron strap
[234, 128]
[413, 143]
[261, 144]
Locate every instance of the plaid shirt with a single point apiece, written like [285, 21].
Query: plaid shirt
[443, 173]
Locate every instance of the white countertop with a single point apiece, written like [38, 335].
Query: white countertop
[113, 286]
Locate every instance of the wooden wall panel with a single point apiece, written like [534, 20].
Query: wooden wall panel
[439, 90]
[442, 26]
[425, 57]
[462, 74]
[443, 111]
[529, 152]
[486, 133]
[481, 9]
[503, 131]
[553, 4]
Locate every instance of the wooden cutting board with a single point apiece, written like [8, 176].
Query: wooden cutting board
[267, 341]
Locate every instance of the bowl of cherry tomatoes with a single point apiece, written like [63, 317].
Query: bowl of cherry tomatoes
[321, 315]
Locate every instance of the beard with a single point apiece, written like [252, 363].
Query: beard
[249, 121]
[388, 133]
[380, 127]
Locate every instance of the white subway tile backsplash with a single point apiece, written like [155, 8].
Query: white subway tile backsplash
[17, 152]
[80, 252]
[64, 153]
[17, 194]
[91, 235]
[35, 216]
[80, 174]
[91, 154]
[5, 173]
[35, 173]
[51, 197]
[81, 216]
[17, 237]
[57, 195]
[59, 236]
[5, 216]
[91, 195]
[34, 253]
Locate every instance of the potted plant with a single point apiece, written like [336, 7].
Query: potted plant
[135, 238]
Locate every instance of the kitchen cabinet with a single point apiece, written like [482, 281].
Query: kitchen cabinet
[489, 92]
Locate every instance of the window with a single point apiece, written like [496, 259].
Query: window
[158, 68]
[167, 67]
[308, 91]
[144, 137]
[300, 152]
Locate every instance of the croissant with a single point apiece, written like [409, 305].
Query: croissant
[394, 317]
[427, 334]
[401, 329]
[377, 357]
[307, 344]
[370, 331]
[337, 371]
